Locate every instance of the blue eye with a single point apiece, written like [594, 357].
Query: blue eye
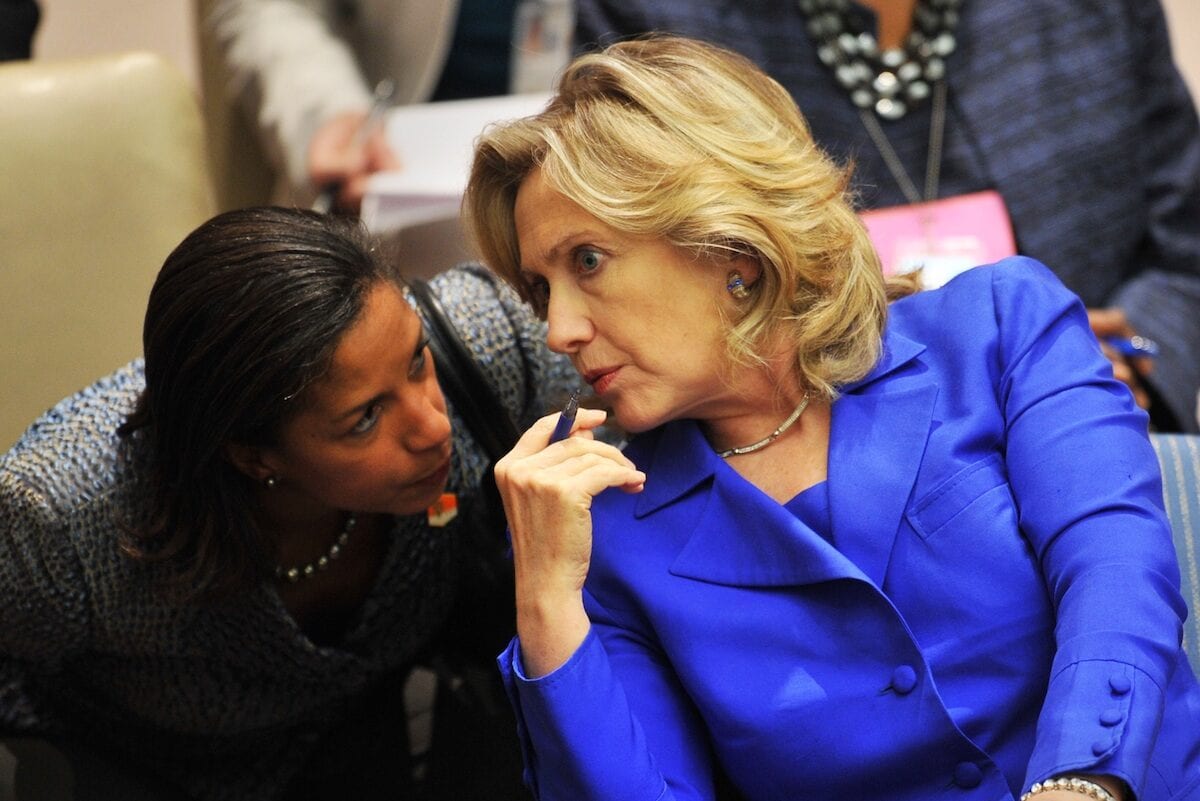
[368, 420]
[588, 259]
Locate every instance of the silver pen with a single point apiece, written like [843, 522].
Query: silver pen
[380, 102]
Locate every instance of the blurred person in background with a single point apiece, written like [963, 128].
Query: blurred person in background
[304, 71]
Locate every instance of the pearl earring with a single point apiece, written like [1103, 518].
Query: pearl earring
[271, 482]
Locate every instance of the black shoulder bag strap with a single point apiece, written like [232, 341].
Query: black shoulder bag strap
[486, 619]
[472, 716]
[489, 422]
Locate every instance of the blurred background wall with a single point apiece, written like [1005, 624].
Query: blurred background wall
[90, 27]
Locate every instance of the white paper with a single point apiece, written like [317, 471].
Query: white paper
[434, 142]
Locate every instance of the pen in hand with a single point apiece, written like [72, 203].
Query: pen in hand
[1137, 346]
[380, 101]
[566, 419]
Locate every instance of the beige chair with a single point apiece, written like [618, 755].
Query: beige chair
[102, 171]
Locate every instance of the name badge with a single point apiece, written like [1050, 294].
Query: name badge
[942, 237]
[542, 35]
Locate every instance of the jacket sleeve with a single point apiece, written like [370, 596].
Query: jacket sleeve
[1162, 296]
[289, 69]
[611, 722]
[44, 610]
[1089, 497]
[56, 527]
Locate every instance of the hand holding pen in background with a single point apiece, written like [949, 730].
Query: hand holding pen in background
[1133, 346]
[1132, 355]
[346, 150]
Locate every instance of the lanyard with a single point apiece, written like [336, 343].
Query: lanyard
[933, 158]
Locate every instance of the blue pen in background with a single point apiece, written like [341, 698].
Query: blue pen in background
[1136, 346]
[566, 419]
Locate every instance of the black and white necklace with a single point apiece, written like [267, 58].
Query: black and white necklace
[891, 81]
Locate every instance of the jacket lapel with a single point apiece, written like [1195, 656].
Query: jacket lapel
[743, 537]
[880, 427]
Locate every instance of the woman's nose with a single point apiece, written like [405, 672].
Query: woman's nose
[428, 424]
[570, 326]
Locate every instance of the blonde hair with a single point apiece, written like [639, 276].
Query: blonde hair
[682, 140]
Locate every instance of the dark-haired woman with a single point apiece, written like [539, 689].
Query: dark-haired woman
[216, 566]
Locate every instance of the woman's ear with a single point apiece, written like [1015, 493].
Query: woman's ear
[253, 462]
[749, 267]
[740, 273]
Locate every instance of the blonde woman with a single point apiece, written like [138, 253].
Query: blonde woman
[853, 549]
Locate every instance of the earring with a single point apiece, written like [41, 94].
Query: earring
[271, 482]
[736, 286]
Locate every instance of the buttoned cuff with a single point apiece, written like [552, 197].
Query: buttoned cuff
[1101, 716]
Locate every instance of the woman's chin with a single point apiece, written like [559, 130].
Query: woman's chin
[416, 502]
[630, 421]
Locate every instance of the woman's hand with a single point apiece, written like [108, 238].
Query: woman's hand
[344, 155]
[547, 491]
[1111, 322]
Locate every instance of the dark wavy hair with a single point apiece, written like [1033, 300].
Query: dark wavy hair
[245, 315]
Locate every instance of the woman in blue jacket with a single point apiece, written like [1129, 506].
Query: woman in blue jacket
[855, 549]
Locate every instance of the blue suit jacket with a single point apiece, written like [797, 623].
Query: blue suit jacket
[997, 600]
[1072, 109]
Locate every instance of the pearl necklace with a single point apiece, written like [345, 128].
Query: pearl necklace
[307, 571]
[769, 438]
[894, 80]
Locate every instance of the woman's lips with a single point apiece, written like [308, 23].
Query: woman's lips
[437, 477]
[601, 380]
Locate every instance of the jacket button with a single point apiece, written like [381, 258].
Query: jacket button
[1111, 717]
[967, 775]
[1119, 684]
[1101, 747]
[904, 679]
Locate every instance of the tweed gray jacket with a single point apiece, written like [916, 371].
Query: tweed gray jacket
[227, 702]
